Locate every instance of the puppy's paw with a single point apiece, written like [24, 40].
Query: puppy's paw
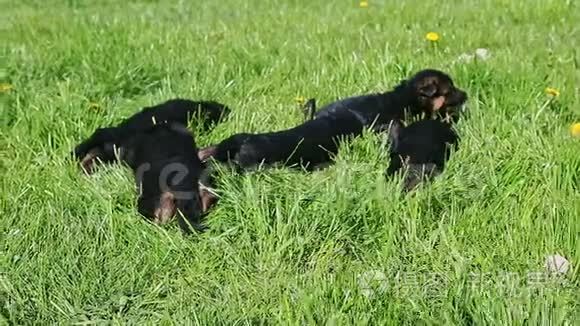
[416, 174]
[205, 153]
[89, 161]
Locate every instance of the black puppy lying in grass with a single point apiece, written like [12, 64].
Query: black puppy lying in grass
[167, 172]
[100, 146]
[422, 147]
[309, 145]
[162, 153]
[420, 150]
[430, 92]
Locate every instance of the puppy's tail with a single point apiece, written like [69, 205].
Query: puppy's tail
[214, 112]
[207, 113]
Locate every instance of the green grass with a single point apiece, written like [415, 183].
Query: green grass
[286, 246]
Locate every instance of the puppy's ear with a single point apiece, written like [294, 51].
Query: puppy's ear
[165, 209]
[428, 90]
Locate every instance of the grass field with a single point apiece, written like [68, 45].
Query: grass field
[338, 246]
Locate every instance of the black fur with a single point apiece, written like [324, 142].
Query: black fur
[420, 149]
[430, 92]
[100, 145]
[167, 172]
[308, 145]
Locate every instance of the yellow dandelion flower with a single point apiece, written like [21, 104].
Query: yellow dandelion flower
[575, 129]
[432, 36]
[94, 106]
[300, 100]
[552, 91]
[363, 4]
[5, 87]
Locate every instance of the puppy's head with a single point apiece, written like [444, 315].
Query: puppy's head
[435, 94]
[420, 150]
[170, 191]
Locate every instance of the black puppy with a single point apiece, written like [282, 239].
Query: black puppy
[429, 92]
[420, 149]
[309, 145]
[167, 172]
[101, 144]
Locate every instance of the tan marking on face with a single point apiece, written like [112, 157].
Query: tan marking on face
[166, 208]
[88, 162]
[207, 200]
[207, 196]
[438, 102]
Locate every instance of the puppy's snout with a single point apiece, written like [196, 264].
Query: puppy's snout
[165, 209]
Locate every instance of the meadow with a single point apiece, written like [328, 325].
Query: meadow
[337, 246]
